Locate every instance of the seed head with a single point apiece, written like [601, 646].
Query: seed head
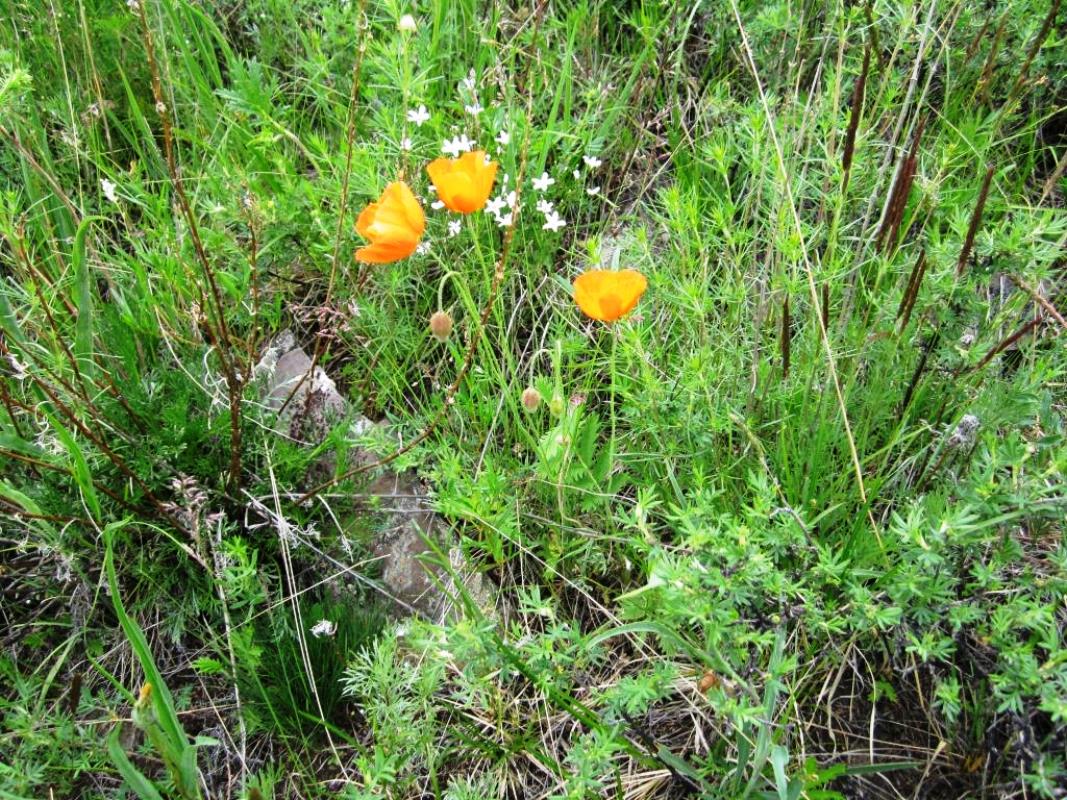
[531, 398]
[441, 325]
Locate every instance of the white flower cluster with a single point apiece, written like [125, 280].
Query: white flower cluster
[553, 220]
[508, 200]
[323, 627]
[591, 163]
[459, 144]
[468, 91]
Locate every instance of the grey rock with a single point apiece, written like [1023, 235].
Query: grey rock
[411, 546]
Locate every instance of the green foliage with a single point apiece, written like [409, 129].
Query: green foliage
[764, 510]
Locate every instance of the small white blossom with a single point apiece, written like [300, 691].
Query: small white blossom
[541, 184]
[505, 220]
[553, 222]
[133, 5]
[454, 227]
[454, 147]
[470, 82]
[592, 161]
[407, 24]
[418, 116]
[437, 205]
[503, 139]
[161, 108]
[577, 175]
[405, 143]
[422, 248]
[545, 206]
[512, 199]
[109, 190]
[494, 206]
[474, 109]
[592, 191]
[323, 628]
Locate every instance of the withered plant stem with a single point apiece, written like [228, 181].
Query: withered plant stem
[220, 337]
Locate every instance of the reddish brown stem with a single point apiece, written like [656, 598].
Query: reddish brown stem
[976, 221]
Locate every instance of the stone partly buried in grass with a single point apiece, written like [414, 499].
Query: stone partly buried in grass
[406, 547]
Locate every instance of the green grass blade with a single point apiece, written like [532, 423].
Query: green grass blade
[140, 785]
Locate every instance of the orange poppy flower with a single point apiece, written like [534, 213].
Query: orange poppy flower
[393, 226]
[463, 184]
[607, 295]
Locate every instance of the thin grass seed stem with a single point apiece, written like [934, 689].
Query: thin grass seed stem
[809, 273]
[614, 347]
[222, 341]
[346, 177]
[1041, 300]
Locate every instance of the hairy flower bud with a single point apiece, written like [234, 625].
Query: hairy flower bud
[441, 325]
[407, 24]
[531, 398]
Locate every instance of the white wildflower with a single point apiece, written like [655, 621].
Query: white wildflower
[541, 184]
[545, 206]
[418, 116]
[474, 109]
[323, 628]
[437, 205]
[405, 143]
[495, 206]
[553, 222]
[505, 220]
[454, 227]
[503, 139]
[577, 175]
[470, 82]
[407, 24]
[592, 161]
[109, 190]
[457, 145]
[592, 191]
[422, 248]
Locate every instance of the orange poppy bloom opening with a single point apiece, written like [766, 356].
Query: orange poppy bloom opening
[606, 295]
[393, 226]
[463, 184]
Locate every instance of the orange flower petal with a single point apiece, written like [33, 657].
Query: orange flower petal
[393, 225]
[463, 184]
[606, 295]
[384, 253]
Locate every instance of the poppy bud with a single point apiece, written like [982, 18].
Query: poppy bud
[555, 405]
[441, 325]
[531, 398]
